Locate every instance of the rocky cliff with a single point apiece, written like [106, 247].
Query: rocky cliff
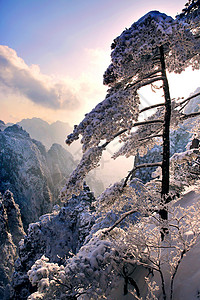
[11, 232]
[34, 175]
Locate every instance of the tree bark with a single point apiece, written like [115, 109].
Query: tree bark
[166, 141]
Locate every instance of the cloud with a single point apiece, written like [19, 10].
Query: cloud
[17, 77]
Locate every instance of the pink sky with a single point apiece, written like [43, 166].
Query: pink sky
[57, 51]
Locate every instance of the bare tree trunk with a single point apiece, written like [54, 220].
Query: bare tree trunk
[166, 141]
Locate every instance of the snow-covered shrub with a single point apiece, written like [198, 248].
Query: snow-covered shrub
[114, 256]
[144, 246]
[92, 272]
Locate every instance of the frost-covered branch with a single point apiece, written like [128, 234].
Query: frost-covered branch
[89, 161]
[191, 5]
[150, 137]
[141, 84]
[134, 125]
[150, 127]
[146, 165]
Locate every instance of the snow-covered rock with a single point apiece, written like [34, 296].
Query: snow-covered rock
[2, 125]
[11, 232]
[32, 174]
[58, 236]
[14, 217]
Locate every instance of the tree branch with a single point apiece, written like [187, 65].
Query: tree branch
[128, 213]
[134, 125]
[148, 122]
[150, 137]
[192, 115]
[152, 106]
[147, 165]
[116, 135]
[149, 76]
[187, 100]
[139, 85]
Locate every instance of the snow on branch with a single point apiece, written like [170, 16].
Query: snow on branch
[140, 139]
[146, 165]
[125, 215]
[134, 50]
[144, 246]
[117, 112]
[74, 184]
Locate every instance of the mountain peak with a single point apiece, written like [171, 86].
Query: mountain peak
[17, 130]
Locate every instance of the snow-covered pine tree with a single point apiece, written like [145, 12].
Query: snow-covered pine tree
[141, 55]
[106, 256]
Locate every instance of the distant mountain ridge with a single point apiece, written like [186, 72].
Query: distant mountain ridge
[57, 132]
[46, 133]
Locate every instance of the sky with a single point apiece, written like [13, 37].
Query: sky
[53, 55]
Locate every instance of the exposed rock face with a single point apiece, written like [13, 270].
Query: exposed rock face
[56, 236]
[11, 232]
[28, 170]
[14, 217]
